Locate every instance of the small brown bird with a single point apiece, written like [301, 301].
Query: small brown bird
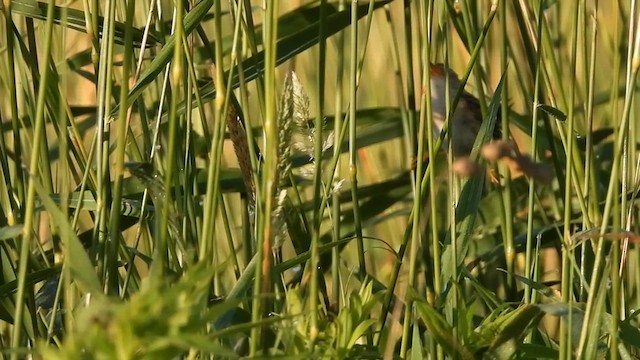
[466, 121]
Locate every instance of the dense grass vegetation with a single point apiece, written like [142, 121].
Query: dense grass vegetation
[223, 179]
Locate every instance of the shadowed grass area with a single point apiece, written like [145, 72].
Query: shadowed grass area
[260, 179]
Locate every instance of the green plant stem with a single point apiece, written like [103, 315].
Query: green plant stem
[616, 270]
[121, 125]
[317, 176]
[567, 273]
[505, 174]
[425, 125]
[471, 34]
[534, 151]
[269, 180]
[27, 234]
[106, 264]
[249, 226]
[338, 120]
[176, 73]
[223, 110]
[353, 156]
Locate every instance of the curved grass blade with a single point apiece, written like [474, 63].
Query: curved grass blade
[286, 48]
[288, 23]
[74, 19]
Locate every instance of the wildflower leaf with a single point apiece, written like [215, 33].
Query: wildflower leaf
[442, 332]
[512, 328]
[360, 330]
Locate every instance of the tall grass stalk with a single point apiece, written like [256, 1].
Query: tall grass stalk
[353, 166]
[121, 131]
[21, 323]
[529, 254]
[337, 124]
[317, 179]
[424, 125]
[567, 272]
[508, 215]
